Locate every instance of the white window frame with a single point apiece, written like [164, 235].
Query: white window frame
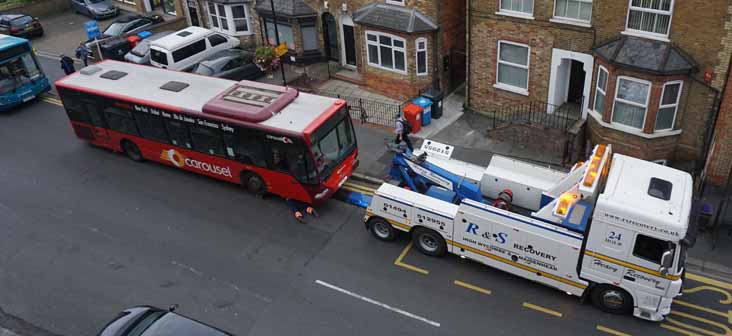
[675, 105]
[615, 100]
[597, 88]
[377, 44]
[518, 14]
[228, 15]
[396, 2]
[508, 87]
[417, 50]
[569, 20]
[643, 33]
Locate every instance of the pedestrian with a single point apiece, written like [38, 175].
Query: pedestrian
[67, 64]
[82, 53]
[298, 208]
[402, 130]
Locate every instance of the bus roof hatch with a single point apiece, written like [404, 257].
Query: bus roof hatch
[250, 101]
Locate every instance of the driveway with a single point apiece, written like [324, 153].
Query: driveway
[63, 32]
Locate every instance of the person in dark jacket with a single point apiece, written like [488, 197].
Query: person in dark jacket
[67, 64]
[300, 208]
[82, 53]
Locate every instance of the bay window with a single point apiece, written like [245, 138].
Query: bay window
[650, 17]
[386, 51]
[579, 10]
[668, 106]
[601, 90]
[631, 102]
[513, 67]
[228, 19]
[284, 30]
[309, 36]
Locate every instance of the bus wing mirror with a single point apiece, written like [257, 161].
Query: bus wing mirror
[667, 259]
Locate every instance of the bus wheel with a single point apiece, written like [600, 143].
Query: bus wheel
[381, 229]
[132, 151]
[611, 299]
[429, 242]
[253, 183]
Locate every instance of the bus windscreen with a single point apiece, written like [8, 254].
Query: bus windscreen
[332, 143]
[18, 71]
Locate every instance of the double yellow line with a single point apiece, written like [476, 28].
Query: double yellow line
[358, 188]
[50, 99]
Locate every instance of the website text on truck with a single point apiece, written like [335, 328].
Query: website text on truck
[268, 138]
[21, 78]
[614, 229]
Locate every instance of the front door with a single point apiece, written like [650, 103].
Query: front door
[330, 36]
[576, 83]
[349, 42]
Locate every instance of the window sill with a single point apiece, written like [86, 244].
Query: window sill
[398, 3]
[511, 89]
[625, 129]
[387, 69]
[572, 22]
[516, 15]
[230, 33]
[646, 35]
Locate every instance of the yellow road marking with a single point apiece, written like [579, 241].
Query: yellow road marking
[709, 281]
[350, 188]
[725, 293]
[399, 262]
[678, 330]
[360, 186]
[50, 99]
[728, 315]
[542, 309]
[611, 331]
[726, 330]
[473, 287]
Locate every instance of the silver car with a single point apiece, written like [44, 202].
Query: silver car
[96, 9]
[235, 64]
[140, 54]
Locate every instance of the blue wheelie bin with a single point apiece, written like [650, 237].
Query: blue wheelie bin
[426, 106]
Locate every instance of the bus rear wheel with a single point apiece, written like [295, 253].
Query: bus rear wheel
[429, 242]
[252, 183]
[611, 299]
[132, 151]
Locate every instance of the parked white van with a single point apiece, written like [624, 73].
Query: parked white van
[185, 48]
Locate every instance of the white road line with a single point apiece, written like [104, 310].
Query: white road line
[374, 302]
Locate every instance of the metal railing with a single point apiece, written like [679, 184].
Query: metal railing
[369, 111]
[536, 112]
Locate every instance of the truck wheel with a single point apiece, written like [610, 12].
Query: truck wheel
[132, 151]
[252, 183]
[381, 229]
[611, 299]
[429, 242]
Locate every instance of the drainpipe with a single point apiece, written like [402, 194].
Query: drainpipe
[435, 48]
[468, 54]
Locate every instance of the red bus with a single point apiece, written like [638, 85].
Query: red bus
[268, 138]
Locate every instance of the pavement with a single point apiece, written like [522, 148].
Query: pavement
[88, 232]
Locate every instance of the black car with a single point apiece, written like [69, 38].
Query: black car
[20, 25]
[235, 64]
[130, 24]
[151, 321]
[95, 9]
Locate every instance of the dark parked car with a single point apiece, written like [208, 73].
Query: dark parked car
[96, 9]
[20, 25]
[151, 321]
[233, 64]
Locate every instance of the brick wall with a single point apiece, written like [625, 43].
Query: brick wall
[40, 8]
[719, 163]
[624, 143]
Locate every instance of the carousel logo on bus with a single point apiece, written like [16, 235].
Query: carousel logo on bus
[282, 139]
[179, 160]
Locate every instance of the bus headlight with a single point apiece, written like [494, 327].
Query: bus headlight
[322, 194]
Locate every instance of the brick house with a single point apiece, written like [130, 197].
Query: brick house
[718, 168]
[392, 46]
[645, 75]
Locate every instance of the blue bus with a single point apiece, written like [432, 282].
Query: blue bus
[21, 78]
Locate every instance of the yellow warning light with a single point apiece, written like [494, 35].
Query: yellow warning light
[578, 164]
[565, 201]
[594, 168]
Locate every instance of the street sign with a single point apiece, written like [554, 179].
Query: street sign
[92, 29]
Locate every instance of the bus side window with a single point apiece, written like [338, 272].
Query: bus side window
[247, 147]
[95, 115]
[151, 127]
[121, 120]
[178, 133]
[207, 140]
[75, 109]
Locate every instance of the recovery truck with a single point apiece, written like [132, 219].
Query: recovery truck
[614, 229]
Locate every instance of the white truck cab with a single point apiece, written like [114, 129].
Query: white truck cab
[612, 229]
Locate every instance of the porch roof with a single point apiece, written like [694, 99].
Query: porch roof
[646, 55]
[407, 20]
[286, 8]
